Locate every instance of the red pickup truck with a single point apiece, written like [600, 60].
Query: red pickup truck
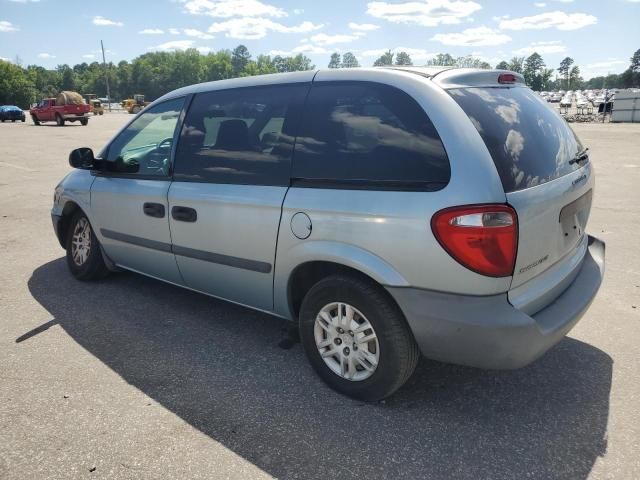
[48, 111]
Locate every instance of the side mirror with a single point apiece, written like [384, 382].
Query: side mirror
[82, 158]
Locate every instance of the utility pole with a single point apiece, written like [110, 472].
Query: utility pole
[106, 74]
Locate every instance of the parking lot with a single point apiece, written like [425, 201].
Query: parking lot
[134, 378]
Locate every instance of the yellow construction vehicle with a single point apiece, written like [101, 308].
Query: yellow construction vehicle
[96, 107]
[89, 98]
[135, 104]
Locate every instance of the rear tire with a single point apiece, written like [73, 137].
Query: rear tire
[369, 364]
[59, 121]
[84, 255]
[135, 110]
[84, 122]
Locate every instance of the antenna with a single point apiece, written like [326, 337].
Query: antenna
[106, 74]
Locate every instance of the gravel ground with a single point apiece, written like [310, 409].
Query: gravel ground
[133, 378]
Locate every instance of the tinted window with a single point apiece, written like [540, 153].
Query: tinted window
[242, 136]
[368, 135]
[529, 142]
[144, 147]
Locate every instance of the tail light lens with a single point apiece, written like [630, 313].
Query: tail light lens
[483, 238]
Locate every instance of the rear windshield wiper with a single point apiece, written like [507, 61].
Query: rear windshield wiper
[581, 156]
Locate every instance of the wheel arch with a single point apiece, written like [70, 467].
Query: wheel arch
[309, 263]
[68, 211]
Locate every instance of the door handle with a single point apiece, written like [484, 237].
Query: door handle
[155, 210]
[184, 214]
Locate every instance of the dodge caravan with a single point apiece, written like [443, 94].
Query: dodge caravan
[389, 212]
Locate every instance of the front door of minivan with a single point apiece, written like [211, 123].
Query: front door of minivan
[231, 176]
[129, 196]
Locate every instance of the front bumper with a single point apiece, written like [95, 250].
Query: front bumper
[488, 332]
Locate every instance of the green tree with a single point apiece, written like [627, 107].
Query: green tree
[469, 61]
[349, 60]
[546, 79]
[15, 86]
[533, 69]
[68, 77]
[502, 65]
[385, 59]
[563, 70]
[516, 64]
[403, 58]
[442, 60]
[335, 62]
[239, 59]
[575, 80]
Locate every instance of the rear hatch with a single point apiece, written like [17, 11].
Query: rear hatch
[547, 179]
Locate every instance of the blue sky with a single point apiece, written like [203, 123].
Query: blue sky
[600, 35]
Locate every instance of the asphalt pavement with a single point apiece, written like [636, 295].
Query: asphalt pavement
[133, 378]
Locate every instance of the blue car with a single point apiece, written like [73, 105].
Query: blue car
[11, 112]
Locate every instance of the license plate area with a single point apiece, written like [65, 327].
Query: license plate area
[573, 219]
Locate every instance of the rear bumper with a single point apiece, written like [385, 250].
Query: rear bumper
[488, 332]
[75, 116]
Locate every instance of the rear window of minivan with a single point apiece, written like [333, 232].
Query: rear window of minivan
[529, 142]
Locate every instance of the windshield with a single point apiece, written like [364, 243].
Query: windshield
[529, 142]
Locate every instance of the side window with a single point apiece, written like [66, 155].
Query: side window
[144, 147]
[368, 135]
[242, 136]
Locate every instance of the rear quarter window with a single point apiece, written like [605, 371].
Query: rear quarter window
[529, 142]
[366, 135]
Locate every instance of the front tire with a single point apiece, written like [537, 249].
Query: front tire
[84, 122]
[35, 120]
[356, 337]
[84, 256]
[59, 121]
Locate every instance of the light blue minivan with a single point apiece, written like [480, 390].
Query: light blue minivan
[389, 212]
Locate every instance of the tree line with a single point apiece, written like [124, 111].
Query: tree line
[156, 73]
[152, 74]
[569, 77]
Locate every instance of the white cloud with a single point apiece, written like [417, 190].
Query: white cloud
[554, 46]
[559, 20]
[151, 31]
[254, 28]
[416, 54]
[306, 48]
[89, 56]
[232, 8]
[192, 32]
[174, 31]
[429, 13]
[473, 37]
[174, 45]
[7, 26]
[24, 1]
[324, 39]
[5, 59]
[363, 27]
[596, 69]
[46, 55]
[105, 22]
[300, 11]
[540, 4]
[204, 50]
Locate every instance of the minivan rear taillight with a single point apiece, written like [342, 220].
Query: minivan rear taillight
[483, 238]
